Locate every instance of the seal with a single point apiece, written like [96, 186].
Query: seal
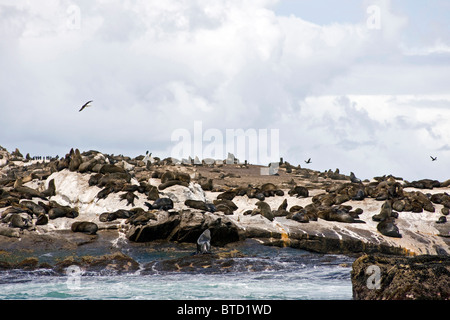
[301, 216]
[388, 228]
[129, 196]
[265, 210]
[196, 204]
[354, 179]
[204, 242]
[386, 211]
[299, 191]
[84, 227]
[162, 204]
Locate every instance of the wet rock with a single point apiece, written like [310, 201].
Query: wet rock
[111, 263]
[421, 277]
[203, 263]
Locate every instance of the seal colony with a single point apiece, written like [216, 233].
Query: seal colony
[145, 198]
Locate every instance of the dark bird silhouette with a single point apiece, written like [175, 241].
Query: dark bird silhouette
[309, 161]
[433, 159]
[87, 104]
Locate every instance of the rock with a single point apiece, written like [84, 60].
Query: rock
[154, 230]
[111, 263]
[214, 263]
[422, 277]
[9, 232]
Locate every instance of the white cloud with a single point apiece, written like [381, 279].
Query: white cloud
[341, 91]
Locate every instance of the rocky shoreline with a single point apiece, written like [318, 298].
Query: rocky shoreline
[104, 202]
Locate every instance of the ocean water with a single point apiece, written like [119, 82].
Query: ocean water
[284, 273]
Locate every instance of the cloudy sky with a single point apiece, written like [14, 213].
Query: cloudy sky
[358, 85]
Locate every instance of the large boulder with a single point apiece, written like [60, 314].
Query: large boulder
[383, 277]
[155, 229]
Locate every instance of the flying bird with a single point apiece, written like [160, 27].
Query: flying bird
[309, 161]
[433, 159]
[87, 104]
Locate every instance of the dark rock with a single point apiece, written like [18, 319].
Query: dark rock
[154, 230]
[423, 277]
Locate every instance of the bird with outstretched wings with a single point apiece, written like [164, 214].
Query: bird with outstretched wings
[309, 161]
[87, 104]
[433, 158]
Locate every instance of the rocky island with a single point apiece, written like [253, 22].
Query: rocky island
[99, 203]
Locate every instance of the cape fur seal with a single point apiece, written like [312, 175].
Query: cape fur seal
[84, 227]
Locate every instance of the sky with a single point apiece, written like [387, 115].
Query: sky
[359, 85]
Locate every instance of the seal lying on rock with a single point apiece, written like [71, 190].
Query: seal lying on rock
[161, 204]
[204, 242]
[85, 227]
[388, 228]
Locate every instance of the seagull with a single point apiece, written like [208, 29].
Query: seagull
[433, 159]
[87, 104]
[309, 161]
